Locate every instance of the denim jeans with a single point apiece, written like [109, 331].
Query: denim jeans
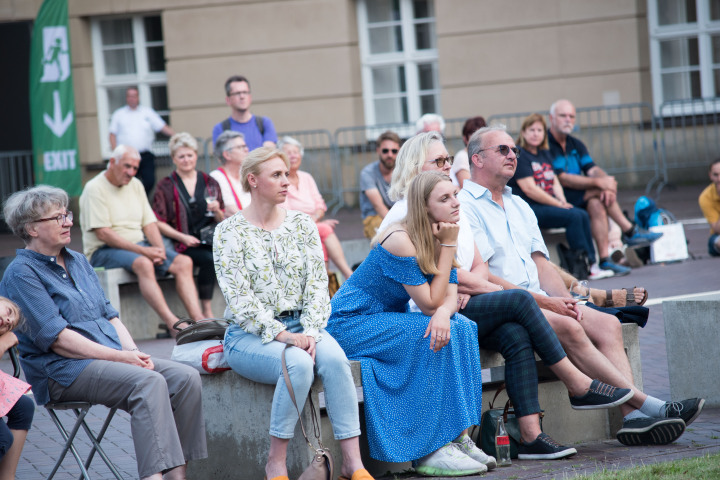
[576, 222]
[711, 246]
[261, 363]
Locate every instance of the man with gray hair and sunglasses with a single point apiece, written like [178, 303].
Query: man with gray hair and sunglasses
[518, 258]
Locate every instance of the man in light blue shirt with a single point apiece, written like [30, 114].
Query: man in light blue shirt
[518, 258]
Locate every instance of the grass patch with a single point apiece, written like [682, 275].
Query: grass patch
[706, 467]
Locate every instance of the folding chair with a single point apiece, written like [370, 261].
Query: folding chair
[80, 409]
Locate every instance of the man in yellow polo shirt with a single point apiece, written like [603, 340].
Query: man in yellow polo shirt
[120, 231]
[710, 204]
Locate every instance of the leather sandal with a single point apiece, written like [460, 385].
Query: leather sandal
[629, 298]
[360, 474]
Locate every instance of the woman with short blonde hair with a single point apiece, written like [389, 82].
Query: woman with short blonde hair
[270, 269]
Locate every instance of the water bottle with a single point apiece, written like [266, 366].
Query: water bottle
[502, 445]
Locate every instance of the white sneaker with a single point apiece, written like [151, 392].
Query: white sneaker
[596, 273]
[448, 461]
[468, 447]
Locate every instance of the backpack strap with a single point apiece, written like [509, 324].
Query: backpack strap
[225, 124]
[260, 122]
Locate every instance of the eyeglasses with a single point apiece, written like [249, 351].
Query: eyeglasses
[241, 147]
[440, 161]
[61, 219]
[504, 150]
[385, 151]
[239, 94]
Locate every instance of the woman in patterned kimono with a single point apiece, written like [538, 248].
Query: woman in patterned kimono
[270, 268]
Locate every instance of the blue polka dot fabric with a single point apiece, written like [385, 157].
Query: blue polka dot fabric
[416, 400]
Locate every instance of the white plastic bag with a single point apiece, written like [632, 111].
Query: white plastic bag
[205, 356]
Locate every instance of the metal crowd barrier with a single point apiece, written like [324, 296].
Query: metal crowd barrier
[625, 140]
[621, 139]
[689, 132]
[16, 173]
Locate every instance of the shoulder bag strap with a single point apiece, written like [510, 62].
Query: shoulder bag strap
[289, 386]
[232, 189]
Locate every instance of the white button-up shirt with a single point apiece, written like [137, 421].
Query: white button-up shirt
[512, 232]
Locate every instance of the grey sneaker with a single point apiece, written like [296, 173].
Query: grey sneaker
[544, 448]
[601, 395]
[448, 461]
[468, 447]
[688, 410]
[650, 431]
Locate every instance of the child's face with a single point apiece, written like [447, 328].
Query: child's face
[8, 317]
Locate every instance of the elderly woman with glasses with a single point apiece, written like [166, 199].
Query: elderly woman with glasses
[74, 347]
[270, 269]
[188, 204]
[231, 150]
[304, 196]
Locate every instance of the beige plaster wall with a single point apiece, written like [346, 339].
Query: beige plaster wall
[302, 57]
[501, 56]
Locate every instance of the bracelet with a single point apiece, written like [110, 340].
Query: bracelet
[447, 245]
[136, 349]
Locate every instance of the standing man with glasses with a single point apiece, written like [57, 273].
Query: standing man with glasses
[375, 183]
[588, 186]
[258, 131]
[135, 125]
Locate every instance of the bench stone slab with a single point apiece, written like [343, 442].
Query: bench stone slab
[692, 340]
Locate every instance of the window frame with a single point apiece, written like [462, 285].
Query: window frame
[703, 29]
[409, 58]
[143, 78]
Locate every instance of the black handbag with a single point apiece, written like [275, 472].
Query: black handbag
[575, 262]
[208, 329]
[488, 426]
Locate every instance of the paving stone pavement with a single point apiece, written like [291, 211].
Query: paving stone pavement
[703, 436]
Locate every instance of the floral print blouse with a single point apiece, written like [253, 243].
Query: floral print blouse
[263, 273]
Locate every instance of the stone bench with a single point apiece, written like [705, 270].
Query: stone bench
[122, 289]
[237, 418]
[692, 340]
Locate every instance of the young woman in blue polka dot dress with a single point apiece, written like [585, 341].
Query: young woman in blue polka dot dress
[421, 371]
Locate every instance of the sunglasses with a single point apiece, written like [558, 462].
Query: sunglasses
[504, 150]
[385, 151]
[61, 219]
[440, 161]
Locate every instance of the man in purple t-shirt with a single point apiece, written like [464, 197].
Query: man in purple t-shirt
[258, 131]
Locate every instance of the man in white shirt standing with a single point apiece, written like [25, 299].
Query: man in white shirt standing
[135, 125]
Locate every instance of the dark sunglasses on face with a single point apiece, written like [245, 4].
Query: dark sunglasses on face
[440, 161]
[385, 151]
[504, 150]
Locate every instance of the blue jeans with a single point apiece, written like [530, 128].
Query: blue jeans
[109, 257]
[576, 222]
[261, 363]
[711, 246]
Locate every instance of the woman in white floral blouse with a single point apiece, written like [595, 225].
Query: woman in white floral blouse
[270, 268]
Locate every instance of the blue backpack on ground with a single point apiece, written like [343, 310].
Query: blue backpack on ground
[648, 214]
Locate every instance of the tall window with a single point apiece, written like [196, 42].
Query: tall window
[399, 60]
[685, 49]
[128, 51]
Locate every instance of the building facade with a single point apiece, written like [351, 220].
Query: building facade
[325, 64]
